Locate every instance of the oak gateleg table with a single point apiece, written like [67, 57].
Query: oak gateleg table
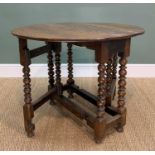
[109, 41]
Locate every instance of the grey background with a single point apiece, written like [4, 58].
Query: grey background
[15, 15]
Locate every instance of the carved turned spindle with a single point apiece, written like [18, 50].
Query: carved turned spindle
[50, 72]
[101, 90]
[100, 123]
[114, 66]
[50, 69]
[70, 64]
[57, 69]
[122, 93]
[109, 76]
[57, 65]
[122, 84]
[28, 109]
[70, 69]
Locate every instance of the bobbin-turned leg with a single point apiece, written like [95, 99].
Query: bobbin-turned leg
[100, 121]
[114, 70]
[109, 81]
[122, 93]
[70, 69]
[50, 71]
[27, 108]
[57, 50]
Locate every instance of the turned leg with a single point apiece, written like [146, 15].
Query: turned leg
[50, 72]
[57, 51]
[100, 121]
[109, 82]
[122, 93]
[28, 111]
[114, 73]
[27, 108]
[70, 69]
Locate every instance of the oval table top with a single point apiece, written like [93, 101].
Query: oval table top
[76, 32]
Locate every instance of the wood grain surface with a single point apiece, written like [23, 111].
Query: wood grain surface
[74, 32]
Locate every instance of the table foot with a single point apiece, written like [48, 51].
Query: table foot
[98, 140]
[51, 101]
[100, 128]
[70, 94]
[30, 132]
[119, 128]
[28, 115]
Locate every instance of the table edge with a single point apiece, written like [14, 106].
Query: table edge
[78, 40]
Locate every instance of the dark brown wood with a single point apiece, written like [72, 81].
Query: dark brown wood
[25, 58]
[108, 41]
[122, 92]
[124, 50]
[101, 90]
[75, 108]
[111, 95]
[39, 51]
[122, 83]
[70, 64]
[114, 66]
[109, 75]
[102, 52]
[50, 70]
[111, 115]
[111, 78]
[57, 49]
[113, 90]
[109, 81]
[89, 32]
[83, 93]
[89, 96]
[43, 99]
[100, 121]
[65, 87]
[27, 108]
[70, 69]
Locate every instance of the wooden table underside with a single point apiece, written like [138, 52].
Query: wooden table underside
[107, 51]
